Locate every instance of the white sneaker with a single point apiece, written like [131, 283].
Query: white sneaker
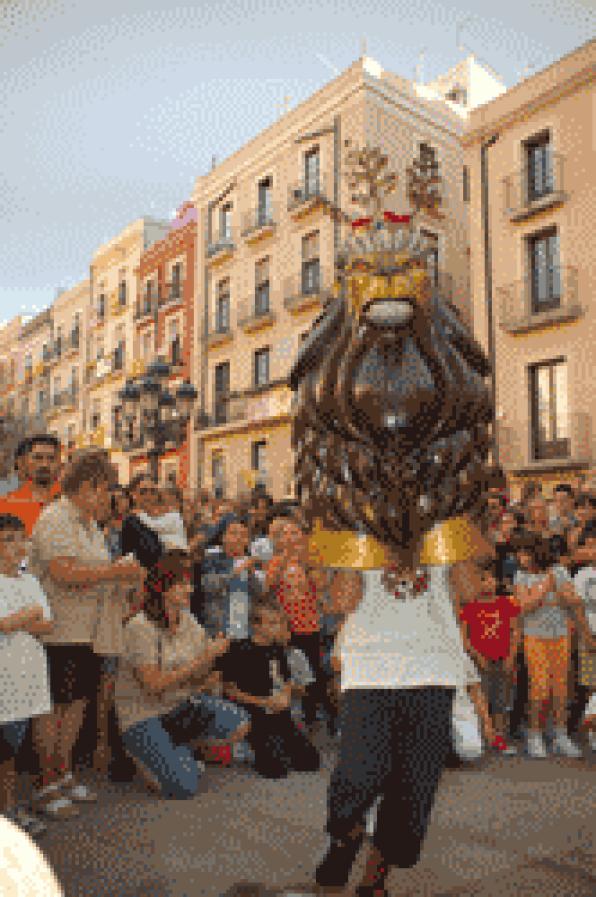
[564, 746]
[535, 746]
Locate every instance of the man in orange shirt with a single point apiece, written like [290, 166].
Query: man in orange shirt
[41, 464]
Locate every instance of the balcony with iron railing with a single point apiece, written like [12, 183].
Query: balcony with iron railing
[74, 340]
[145, 306]
[100, 310]
[572, 445]
[305, 290]
[307, 194]
[221, 247]
[220, 333]
[118, 359]
[119, 302]
[536, 302]
[174, 355]
[65, 398]
[174, 292]
[259, 223]
[532, 190]
[257, 314]
[249, 407]
[227, 409]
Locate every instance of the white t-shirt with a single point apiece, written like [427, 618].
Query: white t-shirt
[584, 583]
[24, 688]
[390, 642]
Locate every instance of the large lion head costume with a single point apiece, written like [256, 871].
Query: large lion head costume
[392, 411]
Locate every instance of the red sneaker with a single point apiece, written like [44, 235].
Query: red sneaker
[500, 746]
[219, 754]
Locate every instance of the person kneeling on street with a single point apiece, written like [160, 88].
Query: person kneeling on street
[161, 700]
[256, 674]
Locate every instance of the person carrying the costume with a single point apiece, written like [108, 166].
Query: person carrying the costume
[401, 658]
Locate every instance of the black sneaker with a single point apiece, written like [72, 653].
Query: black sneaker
[335, 867]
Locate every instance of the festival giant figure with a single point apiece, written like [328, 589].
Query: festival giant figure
[391, 434]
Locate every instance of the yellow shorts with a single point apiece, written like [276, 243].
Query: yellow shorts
[548, 666]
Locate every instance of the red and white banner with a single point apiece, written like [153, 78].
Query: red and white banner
[391, 217]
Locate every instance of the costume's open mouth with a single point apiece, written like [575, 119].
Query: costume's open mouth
[388, 312]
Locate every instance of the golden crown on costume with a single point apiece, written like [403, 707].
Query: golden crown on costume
[384, 256]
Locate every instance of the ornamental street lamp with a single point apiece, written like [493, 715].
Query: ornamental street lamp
[161, 416]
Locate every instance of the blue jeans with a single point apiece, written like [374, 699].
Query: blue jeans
[161, 743]
[12, 736]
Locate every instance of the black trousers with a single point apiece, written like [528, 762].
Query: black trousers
[279, 745]
[394, 745]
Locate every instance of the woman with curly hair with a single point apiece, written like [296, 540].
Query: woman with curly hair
[161, 698]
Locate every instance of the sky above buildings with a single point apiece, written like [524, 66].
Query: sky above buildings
[109, 111]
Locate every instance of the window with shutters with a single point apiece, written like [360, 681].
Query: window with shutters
[225, 222]
[311, 264]
[259, 457]
[262, 287]
[264, 208]
[176, 281]
[548, 402]
[261, 367]
[222, 306]
[312, 172]
[221, 392]
[539, 166]
[545, 271]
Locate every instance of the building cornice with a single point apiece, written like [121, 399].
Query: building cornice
[180, 239]
[309, 114]
[71, 297]
[128, 240]
[540, 91]
[32, 328]
[418, 107]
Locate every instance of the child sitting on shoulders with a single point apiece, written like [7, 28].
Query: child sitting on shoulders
[24, 689]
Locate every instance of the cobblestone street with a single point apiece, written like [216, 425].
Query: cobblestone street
[506, 827]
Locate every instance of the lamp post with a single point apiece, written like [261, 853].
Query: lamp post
[162, 416]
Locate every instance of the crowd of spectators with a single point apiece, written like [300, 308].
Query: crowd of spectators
[529, 620]
[146, 630]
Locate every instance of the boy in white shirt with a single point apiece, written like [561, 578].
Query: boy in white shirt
[24, 688]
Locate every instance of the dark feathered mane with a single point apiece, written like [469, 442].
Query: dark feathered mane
[352, 473]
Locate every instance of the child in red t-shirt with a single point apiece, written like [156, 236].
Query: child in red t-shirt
[490, 630]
